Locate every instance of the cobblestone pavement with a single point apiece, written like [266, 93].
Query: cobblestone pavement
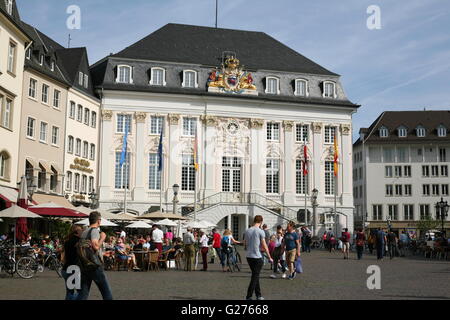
[326, 276]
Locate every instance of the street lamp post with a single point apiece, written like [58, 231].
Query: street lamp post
[314, 203]
[93, 196]
[175, 187]
[442, 213]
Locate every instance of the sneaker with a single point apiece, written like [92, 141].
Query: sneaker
[284, 276]
[260, 298]
[273, 276]
[291, 277]
[294, 274]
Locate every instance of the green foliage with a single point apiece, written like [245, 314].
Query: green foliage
[426, 224]
[59, 229]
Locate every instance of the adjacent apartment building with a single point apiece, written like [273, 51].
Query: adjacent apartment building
[13, 41]
[401, 168]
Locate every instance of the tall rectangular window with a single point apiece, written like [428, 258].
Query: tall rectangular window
[68, 181]
[189, 79]
[426, 189]
[189, 126]
[87, 114]
[328, 90]
[425, 171]
[31, 125]
[72, 110]
[393, 211]
[85, 149]
[43, 133]
[273, 131]
[442, 155]
[55, 135]
[154, 176]
[70, 145]
[76, 186]
[302, 133]
[389, 190]
[91, 184]
[301, 88]
[80, 113]
[80, 78]
[407, 171]
[12, 57]
[329, 178]
[273, 176]
[435, 188]
[408, 190]
[124, 74]
[301, 180]
[56, 98]
[398, 190]
[122, 173]
[86, 81]
[408, 211]
[388, 171]
[157, 77]
[445, 189]
[6, 112]
[123, 122]
[188, 173]
[156, 124]
[330, 134]
[377, 212]
[435, 171]
[398, 171]
[94, 119]
[45, 89]
[78, 147]
[32, 88]
[444, 171]
[84, 183]
[424, 211]
[92, 152]
[231, 174]
[272, 86]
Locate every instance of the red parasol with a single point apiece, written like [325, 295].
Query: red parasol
[22, 201]
[53, 210]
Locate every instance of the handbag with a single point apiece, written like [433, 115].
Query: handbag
[298, 265]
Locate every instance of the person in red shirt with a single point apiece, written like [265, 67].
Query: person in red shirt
[217, 244]
[345, 243]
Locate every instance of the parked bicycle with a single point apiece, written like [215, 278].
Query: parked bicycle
[235, 261]
[7, 261]
[29, 265]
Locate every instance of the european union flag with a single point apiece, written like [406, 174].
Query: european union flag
[123, 155]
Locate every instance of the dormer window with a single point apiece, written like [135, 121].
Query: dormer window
[420, 131]
[272, 85]
[158, 77]
[124, 74]
[41, 59]
[189, 79]
[86, 81]
[52, 65]
[402, 132]
[9, 6]
[384, 132]
[442, 131]
[80, 78]
[301, 88]
[329, 89]
[28, 54]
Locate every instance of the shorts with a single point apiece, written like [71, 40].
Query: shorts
[291, 255]
[346, 246]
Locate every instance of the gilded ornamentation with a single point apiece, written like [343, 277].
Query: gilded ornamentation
[231, 78]
[288, 125]
[140, 116]
[173, 119]
[257, 123]
[107, 115]
[210, 121]
[346, 129]
[317, 127]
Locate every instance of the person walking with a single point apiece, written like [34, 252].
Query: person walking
[226, 248]
[70, 257]
[189, 250]
[380, 242]
[291, 245]
[371, 242]
[216, 245]
[345, 243]
[278, 256]
[392, 244]
[404, 243]
[360, 241]
[330, 238]
[204, 249]
[255, 238]
[96, 239]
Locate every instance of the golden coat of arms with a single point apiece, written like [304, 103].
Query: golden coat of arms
[231, 79]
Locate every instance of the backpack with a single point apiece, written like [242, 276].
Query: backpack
[225, 242]
[88, 259]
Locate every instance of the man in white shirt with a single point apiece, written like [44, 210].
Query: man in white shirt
[123, 235]
[157, 238]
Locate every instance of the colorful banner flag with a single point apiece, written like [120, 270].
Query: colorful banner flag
[305, 160]
[123, 155]
[336, 156]
[196, 152]
[160, 151]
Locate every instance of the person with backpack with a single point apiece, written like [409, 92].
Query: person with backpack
[225, 246]
[90, 259]
[70, 257]
[360, 241]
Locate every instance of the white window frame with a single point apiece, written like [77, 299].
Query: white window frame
[325, 93]
[119, 79]
[52, 65]
[33, 128]
[273, 170]
[70, 144]
[87, 114]
[94, 119]
[306, 88]
[44, 85]
[330, 135]
[78, 147]
[273, 131]
[76, 186]
[12, 54]
[56, 98]
[408, 190]
[86, 81]
[154, 175]
[188, 175]
[330, 181]
[184, 84]
[121, 129]
[69, 176]
[91, 184]
[384, 132]
[421, 132]
[302, 133]
[53, 136]
[9, 6]
[92, 152]
[277, 80]
[72, 110]
[41, 59]
[28, 54]
[402, 132]
[80, 78]
[444, 190]
[156, 122]
[32, 88]
[189, 126]
[6, 108]
[152, 82]
[442, 131]
[80, 114]
[85, 149]
[45, 132]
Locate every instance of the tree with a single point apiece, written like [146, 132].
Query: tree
[426, 224]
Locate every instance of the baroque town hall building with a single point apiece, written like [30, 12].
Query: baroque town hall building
[252, 102]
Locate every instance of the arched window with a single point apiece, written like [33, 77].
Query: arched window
[442, 131]
[124, 74]
[402, 132]
[272, 85]
[301, 88]
[420, 131]
[329, 89]
[4, 165]
[189, 79]
[158, 76]
[384, 132]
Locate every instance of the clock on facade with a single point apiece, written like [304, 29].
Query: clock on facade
[233, 128]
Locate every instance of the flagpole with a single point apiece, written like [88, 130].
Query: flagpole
[335, 201]
[126, 187]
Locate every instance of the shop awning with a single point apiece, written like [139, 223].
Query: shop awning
[9, 195]
[40, 198]
[54, 210]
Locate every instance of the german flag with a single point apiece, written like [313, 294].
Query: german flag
[336, 156]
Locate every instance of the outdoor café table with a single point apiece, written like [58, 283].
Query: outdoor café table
[141, 254]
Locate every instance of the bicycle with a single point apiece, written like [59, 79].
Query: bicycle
[235, 261]
[7, 261]
[29, 265]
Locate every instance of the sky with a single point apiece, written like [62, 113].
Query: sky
[403, 65]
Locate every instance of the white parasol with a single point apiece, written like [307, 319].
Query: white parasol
[104, 223]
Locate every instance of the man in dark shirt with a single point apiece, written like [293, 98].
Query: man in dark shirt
[381, 240]
[392, 244]
[70, 257]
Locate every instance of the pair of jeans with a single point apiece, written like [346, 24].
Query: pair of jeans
[71, 294]
[359, 251]
[219, 254]
[99, 277]
[226, 257]
[275, 265]
[204, 252]
[256, 266]
[380, 250]
[392, 250]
